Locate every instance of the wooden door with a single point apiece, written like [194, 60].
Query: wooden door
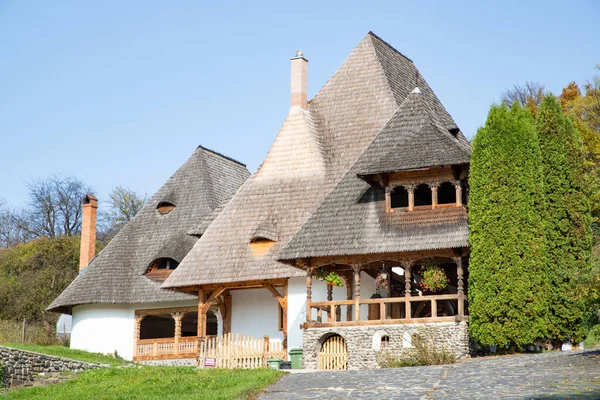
[334, 354]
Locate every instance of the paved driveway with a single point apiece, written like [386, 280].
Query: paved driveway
[557, 375]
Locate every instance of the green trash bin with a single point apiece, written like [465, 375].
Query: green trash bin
[296, 356]
[274, 363]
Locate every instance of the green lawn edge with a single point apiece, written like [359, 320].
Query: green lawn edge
[65, 352]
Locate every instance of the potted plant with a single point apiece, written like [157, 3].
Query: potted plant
[330, 277]
[434, 278]
[382, 281]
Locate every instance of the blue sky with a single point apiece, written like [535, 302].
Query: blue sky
[122, 92]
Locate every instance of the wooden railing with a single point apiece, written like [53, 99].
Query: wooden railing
[157, 349]
[239, 351]
[391, 310]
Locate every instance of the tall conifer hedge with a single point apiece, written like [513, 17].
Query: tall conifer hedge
[506, 232]
[568, 224]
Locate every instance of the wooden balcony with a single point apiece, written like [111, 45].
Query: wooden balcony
[383, 311]
[167, 348]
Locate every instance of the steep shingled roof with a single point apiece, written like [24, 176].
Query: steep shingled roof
[312, 152]
[352, 218]
[116, 275]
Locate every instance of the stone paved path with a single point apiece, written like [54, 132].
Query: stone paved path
[557, 375]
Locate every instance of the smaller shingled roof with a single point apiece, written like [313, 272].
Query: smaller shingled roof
[116, 275]
[413, 138]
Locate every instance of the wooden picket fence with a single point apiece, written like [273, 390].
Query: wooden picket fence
[233, 350]
[334, 354]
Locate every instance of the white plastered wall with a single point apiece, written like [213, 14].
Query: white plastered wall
[254, 312]
[108, 328]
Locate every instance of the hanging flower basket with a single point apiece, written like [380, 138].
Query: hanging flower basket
[329, 277]
[434, 278]
[382, 281]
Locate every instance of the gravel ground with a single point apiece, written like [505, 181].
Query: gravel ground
[556, 375]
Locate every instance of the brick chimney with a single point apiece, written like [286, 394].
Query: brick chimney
[299, 84]
[88, 230]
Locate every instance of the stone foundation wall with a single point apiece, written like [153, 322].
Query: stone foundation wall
[21, 367]
[453, 336]
[177, 362]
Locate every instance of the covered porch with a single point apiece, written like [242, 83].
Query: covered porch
[401, 296]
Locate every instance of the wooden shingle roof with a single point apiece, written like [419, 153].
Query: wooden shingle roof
[352, 219]
[314, 149]
[116, 274]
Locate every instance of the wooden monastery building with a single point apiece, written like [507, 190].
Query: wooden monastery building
[327, 246]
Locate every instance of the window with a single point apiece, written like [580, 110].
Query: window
[399, 197]
[385, 342]
[447, 193]
[423, 195]
[259, 246]
[161, 268]
[164, 207]
[167, 263]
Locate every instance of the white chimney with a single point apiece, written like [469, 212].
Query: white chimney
[299, 81]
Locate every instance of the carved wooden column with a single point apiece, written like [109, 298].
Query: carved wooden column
[201, 314]
[407, 287]
[434, 194]
[349, 289]
[227, 317]
[388, 199]
[460, 287]
[309, 273]
[178, 317]
[356, 268]
[458, 187]
[136, 332]
[411, 197]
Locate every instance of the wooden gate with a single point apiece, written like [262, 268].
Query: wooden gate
[334, 354]
[239, 351]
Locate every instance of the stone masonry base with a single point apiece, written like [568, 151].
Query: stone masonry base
[363, 342]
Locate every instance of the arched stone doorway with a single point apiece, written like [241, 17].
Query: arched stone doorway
[334, 353]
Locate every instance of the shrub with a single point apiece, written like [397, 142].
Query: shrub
[423, 353]
[35, 333]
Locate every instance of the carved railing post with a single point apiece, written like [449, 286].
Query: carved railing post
[460, 287]
[356, 268]
[178, 317]
[407, 287]
[136, 332]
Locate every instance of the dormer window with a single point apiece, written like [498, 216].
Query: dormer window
[164, 207]
[259, 246]
[423, 196]
[161, 268]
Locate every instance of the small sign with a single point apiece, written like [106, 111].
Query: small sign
[210, 362]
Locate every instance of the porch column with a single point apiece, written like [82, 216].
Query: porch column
[331, 310]
[460, 287]
[309, 273]
[388, 199]
[434, 194]
[356, 268]
[136, 332]
[178, 317]
[201, 315]
[407, 288]
[349, 289]
[411, 197]
[227, 318]
[458, 187]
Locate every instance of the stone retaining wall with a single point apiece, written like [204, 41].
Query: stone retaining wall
[362, 341]
[176, 362]
[21, 367]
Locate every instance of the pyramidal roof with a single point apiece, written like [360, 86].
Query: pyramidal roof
[311, 153]
[414, 138]
[116, 274]
[352, 218]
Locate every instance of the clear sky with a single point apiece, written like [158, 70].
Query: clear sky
[122, 92]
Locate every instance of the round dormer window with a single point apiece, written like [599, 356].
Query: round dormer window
[164, 207]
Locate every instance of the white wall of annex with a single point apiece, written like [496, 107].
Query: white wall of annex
[254, 312]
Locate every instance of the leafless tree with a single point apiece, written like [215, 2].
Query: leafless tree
[124, 205]
[528, 95]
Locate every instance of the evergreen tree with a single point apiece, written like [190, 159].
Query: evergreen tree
[506, 232]
[568, 218]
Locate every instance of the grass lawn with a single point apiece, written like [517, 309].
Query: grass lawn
[62, 351]
[148, 382]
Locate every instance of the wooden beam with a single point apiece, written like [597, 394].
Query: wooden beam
[357, 269]
[280, 299]
[201, 314]
[212, 298]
